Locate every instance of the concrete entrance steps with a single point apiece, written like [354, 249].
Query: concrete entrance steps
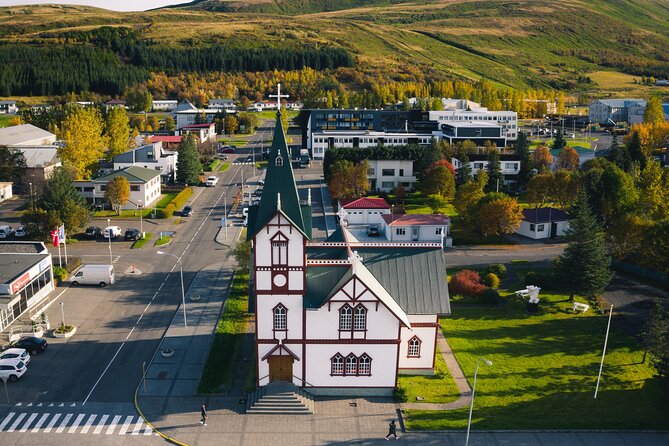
[280, 398]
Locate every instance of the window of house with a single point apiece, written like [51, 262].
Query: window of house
[360, 318]
[279, 250]
[387, 172]
[540, 228]
[364, 365]
[414, 348]
[134, 188]
[532, 227]
[103, 187]
[337, 365]
[401, 172]
[280, 317]
[478, 165]
[400, 231]
[438, 231]
[278, 161]
[387, 184]
[370, 171]
[345, 315]
[351, 365]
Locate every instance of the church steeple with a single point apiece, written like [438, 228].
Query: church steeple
[279, 182]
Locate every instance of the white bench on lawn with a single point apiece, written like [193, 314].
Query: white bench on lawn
[578, 306]
[530, 292]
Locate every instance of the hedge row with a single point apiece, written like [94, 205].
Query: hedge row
[181, 198]
[166, 212]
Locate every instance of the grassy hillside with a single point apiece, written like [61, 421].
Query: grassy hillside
[515, 43]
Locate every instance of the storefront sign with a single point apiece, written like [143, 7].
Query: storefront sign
[20, 282]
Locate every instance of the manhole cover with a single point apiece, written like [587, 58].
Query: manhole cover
[162, 375]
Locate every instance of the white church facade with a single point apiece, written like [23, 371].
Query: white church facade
[337, 317]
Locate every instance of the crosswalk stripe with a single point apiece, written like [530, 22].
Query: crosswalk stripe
[88, 424]
[61, 426]
[113, 424]
[75, 425]
[148, 430]
[26, 425]
[101, 425]
[52, 423]
[126, 425]
[40, 422]
[138, 426]
[7, 419]
[16, 422]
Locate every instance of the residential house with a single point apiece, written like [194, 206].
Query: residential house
[542, 223]
[114, 103]
[509, 165]
[41, 161]
[25, 135]
[151, 156]
[226, 105]
[5, 191]
[337, 317]
[430, 228]
[204, 133]
[386, 175]
[8, 108]
[263, 105]
[144, 186]
[363, 211]
[169, 142]
[610, 111]
[164, 104]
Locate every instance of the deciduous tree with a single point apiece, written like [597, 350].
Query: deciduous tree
[139, 100]
[231, 124]
[188, 161]
[568, 159]
[653, 187]
[348, 180]
[438, 180]
[117, 129]
[12, 164]
[656, 340]
[540, 188]
[654, 113]
[437, 203]
[117, 193]
[498, 214]
[468, 196]
[541, 158]
[84, 141]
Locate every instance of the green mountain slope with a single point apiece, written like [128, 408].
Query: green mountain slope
[285, 6]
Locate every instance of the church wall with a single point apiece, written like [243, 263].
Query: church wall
[423, 327]
[265, 317]
[263, 366]
[263, 248]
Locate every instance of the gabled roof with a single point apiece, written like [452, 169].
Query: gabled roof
[134, 174]
[184, 106]
[39, 156]
[279, 179]
[20, 134]
[168, 139]
[364, 203]
[544, 215]
[415, 219]
[622, 102]
[141, 154]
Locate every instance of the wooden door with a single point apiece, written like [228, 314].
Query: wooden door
[280, 368]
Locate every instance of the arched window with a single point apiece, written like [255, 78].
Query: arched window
[364, 365]
[280, 317]
[337, 365]
[278, 161]
[345, 318]
[351, 365]
[360, 318]
[414, 348]
[279, 250]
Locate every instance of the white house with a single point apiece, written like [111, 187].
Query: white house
[263, 105]
[417, 228]
[227, 105]
[41, 161]
[321, 141]
[364, 211]
[386, 175]
[540, 223]
[203, 132]
[509, 165]
[337, 317]
[5, 191]
[26, 135]
[8, 108]
[163, 105]
[151, 156]
[144, 186]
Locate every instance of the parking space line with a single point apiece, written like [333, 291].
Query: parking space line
[52, 423]
[133, 329]
[113, 424]
[140, 318]
[101, 425]
[75, 425]
[88, 424]
[61, 426]
[126, 425]
[17, 422]
[7, 419]
[40, 422]
[27, 424]
[103, 374]
[160, 287]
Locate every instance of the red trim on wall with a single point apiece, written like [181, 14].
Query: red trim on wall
[424, 324]
[435, 346]
[331, 341]
[397, 359]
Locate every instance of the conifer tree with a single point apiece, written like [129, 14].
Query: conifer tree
[635, 151]
[495, 180]
[62, 199]
[584, 267]
[559, 142]
[656, 339]
[619, 155]
[188, 162]
[522, 151]
[464, 173]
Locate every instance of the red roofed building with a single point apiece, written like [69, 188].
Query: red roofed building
[363, 211]
[203, 132]
[169, 142]
[417, 228]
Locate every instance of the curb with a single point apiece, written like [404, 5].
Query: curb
[148, 423]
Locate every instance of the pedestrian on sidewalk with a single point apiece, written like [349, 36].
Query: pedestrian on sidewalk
[392, 429]
[203, 411]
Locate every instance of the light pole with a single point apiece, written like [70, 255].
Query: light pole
[141, 221]
[471, 405]
[109, 233]
[181, 271]
[32, 201]
[62, 314]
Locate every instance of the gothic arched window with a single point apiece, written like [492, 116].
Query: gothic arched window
[351, 365]
[280, 322]
[278, 161]
[414, 348]
[359, 318]
[337, 365]
[365, 365]
[345, 318]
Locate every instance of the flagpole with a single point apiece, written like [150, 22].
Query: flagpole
[60, 263]
[65, 246]
[606, 340]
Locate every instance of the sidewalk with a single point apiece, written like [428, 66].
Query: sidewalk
[328, 211]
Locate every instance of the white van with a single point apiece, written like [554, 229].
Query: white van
[6, 231]
[102, 275]
[115, 231]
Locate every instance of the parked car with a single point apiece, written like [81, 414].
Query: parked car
[34, 345]
[258, 192]
[228, 149]
[6, 231]
[93, 232]
[187, 210]
[112, 232]
[261, 181]
[132, 234]
[16, 353]
[373, 231]
[12, 369]
[20, 232]
[211, 181]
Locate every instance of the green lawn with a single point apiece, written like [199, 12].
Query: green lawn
[5, 119]
[544, 371]
[163, 241]
[165, 199]
[142, 241]
[128, 213]
[224, 167]
[437, 388]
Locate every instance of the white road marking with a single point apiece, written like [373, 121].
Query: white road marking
[52, 423]
[101, 425]
[147, 306]
[126, 425]
[113, 424]
[61, 426]
[40, 422]
[7, 419]
[138, 426]
[133, 329]
[75, 425]
[27, 423]
[16, 422]
[148, 430]
[103, 374]
[160, 288]
[88, 424]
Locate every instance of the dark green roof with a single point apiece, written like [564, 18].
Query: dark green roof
[337, 236]
[280, 180]
[321, 281]
[133, 174]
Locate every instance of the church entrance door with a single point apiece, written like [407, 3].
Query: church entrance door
[280, 368]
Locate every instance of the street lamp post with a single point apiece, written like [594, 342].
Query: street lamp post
[141, 221]
[62, 314]
[109, 233]
[32, 201]
[471, 405]
[181, 271]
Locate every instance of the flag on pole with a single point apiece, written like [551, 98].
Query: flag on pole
[61, 234]
[54, 237]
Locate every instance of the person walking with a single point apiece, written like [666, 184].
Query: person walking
[203, 411]
[392, 430]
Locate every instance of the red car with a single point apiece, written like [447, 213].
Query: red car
[228, 149]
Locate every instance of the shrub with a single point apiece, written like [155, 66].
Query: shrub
[467, 282]
[492, 280]
[490, 296]
[498, 269]
[181, 198]
[542, 278]
[400, 394]
[64, 328]
[59, 273]
[168, 212]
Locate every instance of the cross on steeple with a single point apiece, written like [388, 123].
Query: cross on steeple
[278, 96]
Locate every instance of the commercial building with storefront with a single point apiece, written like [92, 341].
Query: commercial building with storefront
[26, 278]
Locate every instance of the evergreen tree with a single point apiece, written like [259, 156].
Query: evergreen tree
[522, 151]
[188, 161]
[656, 338]
[619, 155]
[464, 173]
[559, 142]
[584, 267]
[62, 199]
[495, 179]
[12, 164]
[635, 151]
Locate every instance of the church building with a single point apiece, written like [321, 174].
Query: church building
[337, 316]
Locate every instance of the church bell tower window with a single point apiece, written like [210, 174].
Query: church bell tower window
[279, 250]
[278, 161]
